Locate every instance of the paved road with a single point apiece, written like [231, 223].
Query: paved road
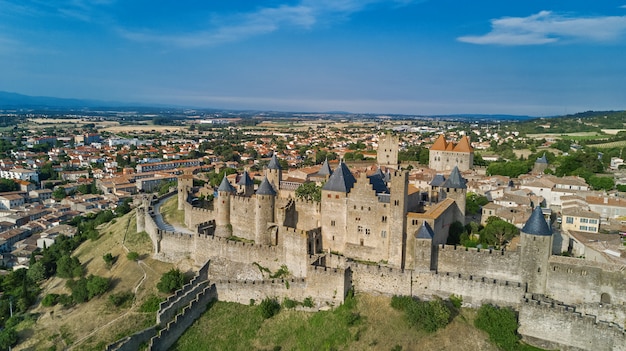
[163, 225]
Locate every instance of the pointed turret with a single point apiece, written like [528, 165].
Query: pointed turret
[274, 172]
[325, 170]
[455, 180]
[265, 188]
[225, 186]
[245, 184]
[274, 164]
[341, 180]
[536, 224]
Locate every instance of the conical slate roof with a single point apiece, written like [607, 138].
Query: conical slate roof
[438, 180]
[341, 180]
[245, 180]
[225, 186]
[542, 159]
[536, 224]
[325, 170]
[425, 231]
[455, 180]
[274, 164]
[265, 188]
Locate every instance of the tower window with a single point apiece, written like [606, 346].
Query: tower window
[332, 224]
[384, 219]
[383, 233]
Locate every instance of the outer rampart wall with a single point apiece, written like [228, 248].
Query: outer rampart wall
[488, 263]
[576, 281]
[183, 296]
[167, 337]
[176, 246]
[550, 326]
[133, 342]
[475, 290]
[379, 280]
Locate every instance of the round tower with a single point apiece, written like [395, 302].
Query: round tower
[222, 208]
[265, 199]
[425, 253]
[274, 172]
[536, 248]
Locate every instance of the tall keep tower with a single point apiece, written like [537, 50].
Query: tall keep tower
[274, 172]
[398, 203]
[387, 153]
[536, 243]
[334, 207]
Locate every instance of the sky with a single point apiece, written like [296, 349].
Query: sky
[532, 57]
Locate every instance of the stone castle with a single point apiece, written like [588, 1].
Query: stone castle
[376, 234]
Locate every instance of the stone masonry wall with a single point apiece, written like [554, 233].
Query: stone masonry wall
[550, 326]
[481, 262]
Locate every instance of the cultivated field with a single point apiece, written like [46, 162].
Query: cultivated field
[143, 128]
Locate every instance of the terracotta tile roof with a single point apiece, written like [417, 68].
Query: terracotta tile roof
[440, 144]
[464, 145]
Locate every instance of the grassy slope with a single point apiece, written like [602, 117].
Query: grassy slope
[238, 327]
[170, 212]
[86, 326]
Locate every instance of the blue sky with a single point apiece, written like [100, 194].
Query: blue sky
[532, 57]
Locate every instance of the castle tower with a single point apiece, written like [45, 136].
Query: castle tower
[398, 203]
[185, 183]
[274, 172]
[445, 155]
[325, 170]
[222, 207]
[387, 153]
[434, 192]
[536, 247]
[334, 207]
[425, 253]
[265, 199]
[245, 185]
[540, 164]
[455, 188]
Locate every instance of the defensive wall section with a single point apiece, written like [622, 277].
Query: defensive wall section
[551, 326]
[183, 296]
[578, 281]
[475, 290]
[497, 264]
[195, 215]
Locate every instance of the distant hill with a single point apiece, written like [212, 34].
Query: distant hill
[14, 100]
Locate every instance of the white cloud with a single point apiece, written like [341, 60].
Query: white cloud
[546, 27]
[304, 15]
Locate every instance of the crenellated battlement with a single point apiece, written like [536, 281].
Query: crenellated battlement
[243, 284]
[241, 199]
[216, 240]
[176, 235]
[477, 279]
[476, 250]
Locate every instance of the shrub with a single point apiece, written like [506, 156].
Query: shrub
[151, 304]
[500, 324]
[132, 256]
[424, 315]
[97, 286]
[66, 300]
[108, 259]
[308, 302]
[456, 300]
[401, 303]
[171, 281]
[269, 307]
[122, 299]
[289, 303]
[50, 300]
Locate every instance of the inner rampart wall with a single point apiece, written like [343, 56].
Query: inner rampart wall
[242, 216]
[196, 215]
[481, 262]
[208, 246]
[307, 214]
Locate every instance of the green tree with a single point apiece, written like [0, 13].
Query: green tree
[58, 194]
[69, 267]
[108, 259]
[500, 324]
[601, 183]
[171, 281]
[473, 203]
[309, 191]
[454, 233]
[498, 231]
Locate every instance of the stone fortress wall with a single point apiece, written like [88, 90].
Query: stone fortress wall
[303, 244]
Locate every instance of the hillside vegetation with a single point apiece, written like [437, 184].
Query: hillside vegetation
[92, 325]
